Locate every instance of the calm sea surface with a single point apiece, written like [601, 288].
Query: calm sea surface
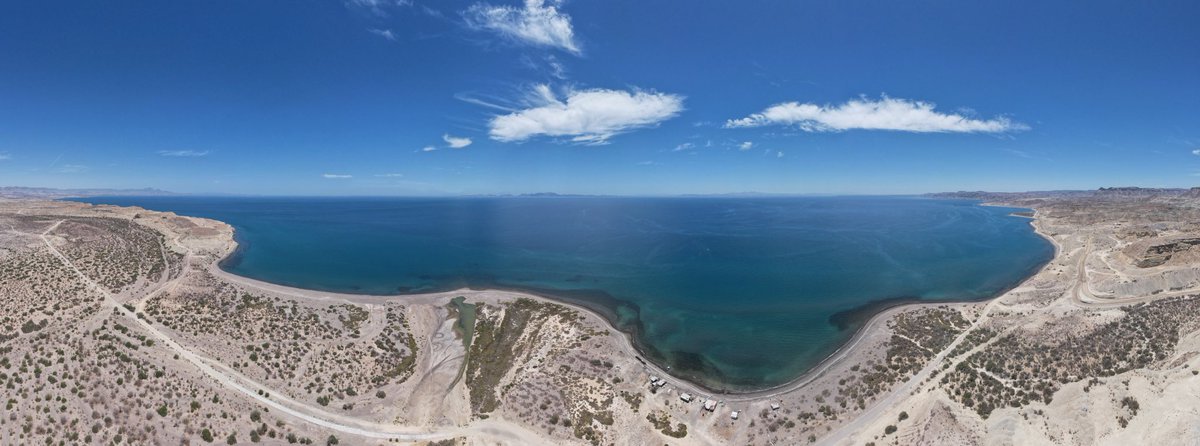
[738, 293]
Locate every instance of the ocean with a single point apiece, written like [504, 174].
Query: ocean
[737, 293]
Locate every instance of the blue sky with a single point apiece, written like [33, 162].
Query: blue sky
[421, 97]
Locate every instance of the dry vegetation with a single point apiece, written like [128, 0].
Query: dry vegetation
[1103, 335]
[913, 337]
[78, 366]
[332, 355]
[114, 252]
[76, 372]
[1022, 367]
[530, 358]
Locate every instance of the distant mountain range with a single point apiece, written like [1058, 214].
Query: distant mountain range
[13, 192]
[16, 192]
[1126, 192]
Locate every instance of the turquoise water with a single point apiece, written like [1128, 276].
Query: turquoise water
[737, 293]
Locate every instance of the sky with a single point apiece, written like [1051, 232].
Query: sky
[450, 97]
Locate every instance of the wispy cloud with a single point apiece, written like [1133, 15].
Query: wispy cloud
[72, 168]
[779, 154]
[377, 7]
[183, 153]
[336, 176]
[379, 3]
[556, 68]
[486, 101]
[431, 12]
[538, 22]
[5, 156]
[1196, 152]
[455, 142]
[682, 147]
[884, 114]
[586, 116]
[389, 175]
[385, 33]
[746, 145]
[549, 65]
[1027, 155]
[428, 148]
[1020, 153]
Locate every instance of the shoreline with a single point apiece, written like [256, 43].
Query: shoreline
[846, 348]
[885, 309]
[229, 247]
[899, 371]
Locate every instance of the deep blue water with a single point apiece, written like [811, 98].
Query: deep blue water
[735, 292]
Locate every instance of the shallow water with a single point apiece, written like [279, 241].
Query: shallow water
[737, 293]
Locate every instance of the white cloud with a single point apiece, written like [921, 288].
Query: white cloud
[1196, 152]
[779, 154]
[682, 147]
[385, 33]
[587, 116]
[538, 22]
[428, 148]
[337, 176]
[456, 142]
[389, 175]
[883, 114]
[746, 145]
[183, 153]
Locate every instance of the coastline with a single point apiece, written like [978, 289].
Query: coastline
[884, 314]
[880, 311]
[901, 358]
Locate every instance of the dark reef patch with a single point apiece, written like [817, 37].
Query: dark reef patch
[856, 317]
